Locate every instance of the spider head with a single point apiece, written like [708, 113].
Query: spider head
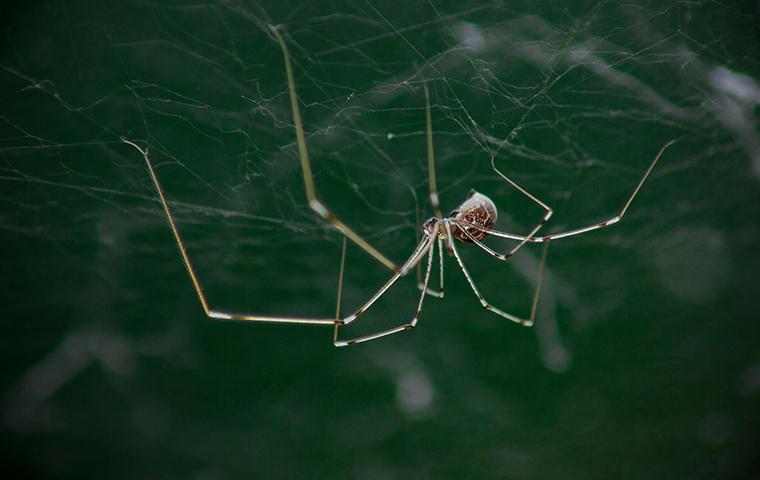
[429, 226]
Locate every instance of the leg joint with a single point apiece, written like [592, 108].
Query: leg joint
[316, 205]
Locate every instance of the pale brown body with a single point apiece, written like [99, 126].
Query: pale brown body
[478, 210]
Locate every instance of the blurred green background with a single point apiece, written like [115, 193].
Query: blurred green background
[644, 362]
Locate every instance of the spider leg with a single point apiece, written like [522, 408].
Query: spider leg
[589, 228]
[527, 322]
[430, 291]
[434, 293]
[414, 258]
[430, 246]
[434, 200]
[461, 224]
[340, 281]
[210, 312]
[315, 203]
[547, 215]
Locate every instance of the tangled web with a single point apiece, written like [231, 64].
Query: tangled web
[573, 102]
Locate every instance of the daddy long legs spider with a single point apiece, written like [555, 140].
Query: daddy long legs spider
[470, 223]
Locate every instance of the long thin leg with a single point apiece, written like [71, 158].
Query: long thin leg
[340, 290]
[401, 328]
[210, 312]
[479, 243]
[423, 247]
[430, 291]
[547, 215]
[527, 322]
[434, 200]
[311, 192]
[340, 282]
[589, 228]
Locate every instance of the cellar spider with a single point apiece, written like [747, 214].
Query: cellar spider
[469, 223]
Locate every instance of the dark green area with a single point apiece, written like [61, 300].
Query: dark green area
[644, 362]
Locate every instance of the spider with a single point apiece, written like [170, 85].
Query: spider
[470, 223]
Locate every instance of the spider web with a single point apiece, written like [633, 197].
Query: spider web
[572, 100]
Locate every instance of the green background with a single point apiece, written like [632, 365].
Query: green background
[644, 361]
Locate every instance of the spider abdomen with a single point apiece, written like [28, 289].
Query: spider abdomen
[478, 210]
